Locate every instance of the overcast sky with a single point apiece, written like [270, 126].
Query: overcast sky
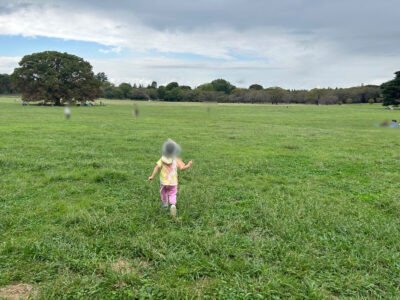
[287, 43]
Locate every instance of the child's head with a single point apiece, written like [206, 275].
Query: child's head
[170, 150]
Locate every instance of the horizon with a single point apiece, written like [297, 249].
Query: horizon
[296, 45]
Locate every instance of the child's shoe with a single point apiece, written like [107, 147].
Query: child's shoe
[164, 205]
[173, 210]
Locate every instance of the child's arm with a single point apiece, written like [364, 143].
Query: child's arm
[155, 171]
[184, 167]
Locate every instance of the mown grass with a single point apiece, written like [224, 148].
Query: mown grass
[298, 202]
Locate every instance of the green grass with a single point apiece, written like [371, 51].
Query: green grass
[300, 202]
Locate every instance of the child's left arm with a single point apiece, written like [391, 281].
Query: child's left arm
[182, 165]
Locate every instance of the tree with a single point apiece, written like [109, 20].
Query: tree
[125, 90]
[161, 92]
[138, 94]
[153, 85]
[221, 85]
[256, 87]
[116, 93]
[391, 91]
[5, 84]
[315, 96]
[206, 87]
[102, 77]
[56, 77]
[107, 89]
[277, 94]
[176, 94]
[171, 85]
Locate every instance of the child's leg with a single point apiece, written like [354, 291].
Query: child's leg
[173, 189]
[164, 194]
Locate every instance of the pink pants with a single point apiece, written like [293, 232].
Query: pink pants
[168, 190]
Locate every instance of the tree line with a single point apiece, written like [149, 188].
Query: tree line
[57, 78]
[221, 90]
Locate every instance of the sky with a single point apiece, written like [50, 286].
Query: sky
[295, 44]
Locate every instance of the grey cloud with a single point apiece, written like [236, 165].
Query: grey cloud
[346, 41]
[240, 14]
[6, 7]
[365, 26]
[213, 66]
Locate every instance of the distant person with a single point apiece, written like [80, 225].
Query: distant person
[67, 113]
[135, 110]
[394, 124]
[169, 164]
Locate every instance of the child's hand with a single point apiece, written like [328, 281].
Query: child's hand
[189, 163]
[151, 178]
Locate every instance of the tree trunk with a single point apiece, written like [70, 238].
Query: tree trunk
[57, 102]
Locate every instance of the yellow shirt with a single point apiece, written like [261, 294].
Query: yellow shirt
[169, 173]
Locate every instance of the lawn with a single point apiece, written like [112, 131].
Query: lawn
[297, 202]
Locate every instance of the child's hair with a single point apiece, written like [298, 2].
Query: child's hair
[170, 149]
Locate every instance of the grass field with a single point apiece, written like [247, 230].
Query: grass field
[298, 202]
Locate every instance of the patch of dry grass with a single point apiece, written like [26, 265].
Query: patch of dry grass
[17, 291]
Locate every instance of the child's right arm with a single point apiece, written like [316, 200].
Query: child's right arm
[155, 171]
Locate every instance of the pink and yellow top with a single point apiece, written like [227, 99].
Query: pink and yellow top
[169, 173]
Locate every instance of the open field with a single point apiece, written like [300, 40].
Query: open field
[300, 202]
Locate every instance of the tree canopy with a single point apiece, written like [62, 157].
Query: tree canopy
[56, 78]
[256, 87]
[102, 77]
[391, 91]
[5, 84]
[221, 85]
[171, 86]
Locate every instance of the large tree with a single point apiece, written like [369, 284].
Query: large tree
[56, 78]
[221, 85]
[391, 91]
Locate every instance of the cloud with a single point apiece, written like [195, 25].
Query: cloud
[292, 43]
[243, 73]
[7, 64]
[111, 50]
[219, 43]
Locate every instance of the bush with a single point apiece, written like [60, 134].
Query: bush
[176, 94]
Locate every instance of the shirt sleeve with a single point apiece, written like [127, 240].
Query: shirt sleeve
[159, 163]
[179, 163]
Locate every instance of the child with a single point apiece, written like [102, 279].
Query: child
[168, 164]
